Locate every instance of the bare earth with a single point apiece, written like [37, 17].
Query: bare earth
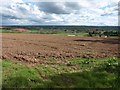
[39, 48]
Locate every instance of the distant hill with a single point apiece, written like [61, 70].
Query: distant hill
[63, 27]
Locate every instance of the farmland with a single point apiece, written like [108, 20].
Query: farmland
[59, 60]
[35, 48]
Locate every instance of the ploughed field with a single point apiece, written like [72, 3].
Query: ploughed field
[41, 48]
[58, 61]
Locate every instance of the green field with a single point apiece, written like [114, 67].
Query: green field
[79, 73]
[65, 30]
[46, 32]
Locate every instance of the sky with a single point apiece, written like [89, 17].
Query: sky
[56, 12]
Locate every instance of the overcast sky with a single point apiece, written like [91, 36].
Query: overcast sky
[81, 12]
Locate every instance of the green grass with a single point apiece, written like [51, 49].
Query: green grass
[76, 34]
[10, 31]
[79, 72]
[45, 32]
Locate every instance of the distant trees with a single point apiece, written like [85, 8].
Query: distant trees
[100, 33]
[91, 34]
[111, 33]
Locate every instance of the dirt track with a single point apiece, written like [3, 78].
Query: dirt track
[38, 48]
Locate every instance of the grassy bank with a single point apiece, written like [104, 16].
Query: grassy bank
[83, 73]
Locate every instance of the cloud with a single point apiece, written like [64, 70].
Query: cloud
[52, 7]
[83, 12]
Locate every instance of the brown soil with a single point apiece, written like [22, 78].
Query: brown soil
[22, 30]
[39, 48]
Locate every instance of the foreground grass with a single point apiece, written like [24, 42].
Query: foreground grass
[83, 73]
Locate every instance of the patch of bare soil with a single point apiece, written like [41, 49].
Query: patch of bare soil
[39, 48]
[22, 30]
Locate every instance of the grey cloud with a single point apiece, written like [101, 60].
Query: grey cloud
[7, 21]
[73, 5]
[4, 16]
[107, 14]
[21, 9]
[57, 8]
[52, 7]
[36, 20]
